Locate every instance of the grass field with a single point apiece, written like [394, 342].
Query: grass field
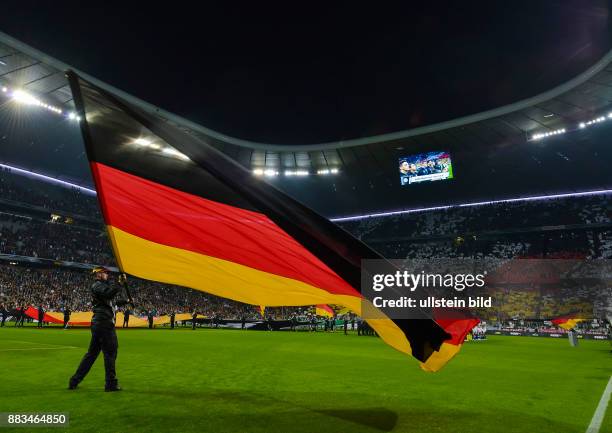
[249, 381]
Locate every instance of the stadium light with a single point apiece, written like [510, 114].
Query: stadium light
[269, 172]
[296, 173]
[548, 134]
[73, 116]
[26, 98]
[326, 171]
[581, 125]
[292, 173]
[593, 121]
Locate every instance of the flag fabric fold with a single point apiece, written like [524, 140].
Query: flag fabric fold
[324, 310]
[567, 322]
[180, 211]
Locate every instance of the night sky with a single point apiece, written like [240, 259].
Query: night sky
[300, 75]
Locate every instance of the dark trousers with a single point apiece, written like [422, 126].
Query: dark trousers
[104, 339]
[171, 323]
[126, 321]
[3, 318]
[66, 319]
[40, 321]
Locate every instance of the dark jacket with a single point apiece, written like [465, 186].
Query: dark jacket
[103, 314]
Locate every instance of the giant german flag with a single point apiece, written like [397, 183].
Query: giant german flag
[181, 212]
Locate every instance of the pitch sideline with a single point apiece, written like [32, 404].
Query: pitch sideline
[48, 346]
[39, 348]
[600, 412]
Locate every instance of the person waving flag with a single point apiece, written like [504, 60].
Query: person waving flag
[179, 211]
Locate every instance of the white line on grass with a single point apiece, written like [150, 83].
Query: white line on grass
[44, 344]
[40, 348]
[600, 412]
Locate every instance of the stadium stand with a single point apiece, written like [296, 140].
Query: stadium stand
[556, 141]
[71, 230]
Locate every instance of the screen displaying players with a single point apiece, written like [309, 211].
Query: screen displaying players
[425, 167]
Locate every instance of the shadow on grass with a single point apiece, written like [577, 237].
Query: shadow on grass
[279, 410]
[377, 418]
[312, 411]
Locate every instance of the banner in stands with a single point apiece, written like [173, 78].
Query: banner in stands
[601, 336]
[255, 325]
[83, 318]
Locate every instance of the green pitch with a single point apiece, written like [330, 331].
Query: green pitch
[250, 381]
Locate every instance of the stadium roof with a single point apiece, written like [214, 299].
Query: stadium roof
[562, 108]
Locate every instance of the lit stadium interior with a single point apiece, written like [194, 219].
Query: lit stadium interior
[524, 187]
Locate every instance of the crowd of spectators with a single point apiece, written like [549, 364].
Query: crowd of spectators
[56, 289]
[29, 236]
[583, 210]
[449, 233]
[19, 188]
[559, 244]
[545, 303]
